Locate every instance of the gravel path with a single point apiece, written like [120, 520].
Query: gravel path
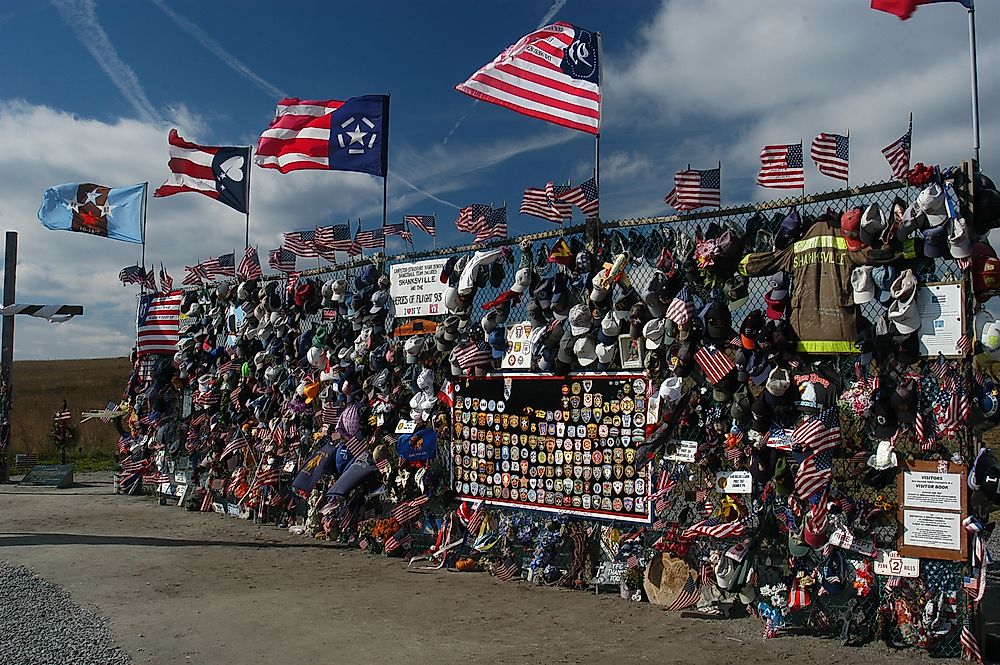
[40, 624]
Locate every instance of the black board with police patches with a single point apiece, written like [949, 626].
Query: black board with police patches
[560, 444]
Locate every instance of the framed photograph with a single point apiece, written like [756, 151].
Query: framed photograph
[631, 351]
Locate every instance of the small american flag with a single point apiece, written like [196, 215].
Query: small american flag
[291, 282]
[964, 345]
[407, 510]
[157, 478]
[62, 416]
[689, 595]
[250, 265]
[166, 281]
[355, 445]
[194, 276]
[697, 189]
[473, 355]
[584, 196]
[820, 432]
[301, 243]
[680, 309]
[426, 223]
[507, 570]
[370, 239]
[132, 275]
[398, 229]
[476, 520]
[238, 443]
[713, 528]
[220, 266]
[281, 259]
[814, 474]
[970, 645]
[471, 219]
[715, 363]
[781, 167]
[336, 237]
[830, 152]
[543, 202]
[897, 153]
[495, 227]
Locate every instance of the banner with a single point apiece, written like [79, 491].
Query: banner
[416, 288]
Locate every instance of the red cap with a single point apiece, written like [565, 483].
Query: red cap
[775, 307]
[850, 228]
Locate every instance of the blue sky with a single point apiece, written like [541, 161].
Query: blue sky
[91, 89]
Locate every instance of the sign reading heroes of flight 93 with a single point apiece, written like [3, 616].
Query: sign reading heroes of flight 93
[416, 288]
[561, 444]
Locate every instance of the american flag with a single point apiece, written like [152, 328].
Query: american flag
[192, 170]
[62, 416]
[266, 478]
[495, 227]
[281, 259]
[336, 237]
[584, 196]
[781, 167]
[715, 363]
[507, 570]
[552, 74]
[195, 275]
[158, 322]
[135, 275]
[970, 645]
[814, 474]
[820, 432]
[220, 266]
[166, 281]
[543, 202]
[476, 520]
[239, 442]
[370, 238]
[408, 510]
[301, 243]
[831, 154]
[713, 528]
[157, 478]
[250, 265]
[355, 445]
[472, 355]
[238, 478]
[329, 413]
[680, 309]
[426, 223]
[689, 595]
[696, 189]
[472, 218]
[671, 200]
[398, 229]
[897, 153]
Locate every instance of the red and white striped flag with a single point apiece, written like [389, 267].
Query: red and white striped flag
[680, 309]
[897, 153]
[970, 645]
[158, 323]
[166, 281]
[818, 433]
[446, 395]
[689, 594]
[831, 154]
[697, 189]
[249, 267]
[715, 363]
[218, 172]
[552, 74]
[281, 259]
[781, 167]
[713, 528]
[544, 203]
[472, 218]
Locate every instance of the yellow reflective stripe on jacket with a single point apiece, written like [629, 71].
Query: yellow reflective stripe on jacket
[743, 265]
[910, 249]
[820, 242]
[828, 347]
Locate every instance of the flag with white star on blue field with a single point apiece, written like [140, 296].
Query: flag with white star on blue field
[109, 212]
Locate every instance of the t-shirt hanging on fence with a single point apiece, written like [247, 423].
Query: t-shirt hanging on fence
[560, 444]
[416, 288]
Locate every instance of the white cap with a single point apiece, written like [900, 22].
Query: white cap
[931, 202]
[670, 389]
[904, 315]
[522, 279]
[958, 240]
[863, 285]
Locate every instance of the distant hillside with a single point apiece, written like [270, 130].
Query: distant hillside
[40, 386]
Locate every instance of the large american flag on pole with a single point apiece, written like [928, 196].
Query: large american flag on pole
[220, 266]
[781, 167]
[831, 152]
[398, 229]
[897, 153]
[694, 188]
[370, 238]
[281, 259]
[158, 322]
[426, 223]
[552, 74]
[472, 218]
[495, 226]
[249, 267]
[218, 172]
[335, 238]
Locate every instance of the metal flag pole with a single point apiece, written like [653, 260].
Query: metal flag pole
[720, 183]
[385, 161]
[434, 237]
[246, 242]
[975, 80]
[145, 194]
[802, 152]
[847, 176]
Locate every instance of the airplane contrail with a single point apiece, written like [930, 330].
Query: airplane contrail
[81, 17]
[222, 54]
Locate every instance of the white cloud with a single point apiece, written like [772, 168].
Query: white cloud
[711, 80]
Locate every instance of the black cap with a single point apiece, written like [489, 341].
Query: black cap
[884, 420]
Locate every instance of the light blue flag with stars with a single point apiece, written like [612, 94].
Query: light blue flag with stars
[95, 209]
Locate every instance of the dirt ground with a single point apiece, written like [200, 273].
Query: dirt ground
[182, 587]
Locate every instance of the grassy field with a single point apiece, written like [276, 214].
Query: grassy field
[40, 386]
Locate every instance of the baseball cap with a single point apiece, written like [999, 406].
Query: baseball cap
[931, 203]
[736, 290]
[959, 240]
[873, 224]
[850, 228]
[750, 329]
[904, 315]
[989, 331]
[884, 276]
[863, 285]
[777, 387]
[936, 241]
[580, 320]
[653, 333]
[775, 306]
[718, 321]
[522, 280]
[585, 350]
[779, 285]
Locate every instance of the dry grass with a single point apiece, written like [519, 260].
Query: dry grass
[40, 386]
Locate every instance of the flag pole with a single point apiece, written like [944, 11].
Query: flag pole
[720, 183]
[145, 193]
[600, 104]
[848, 176]
[246, 242]
[434, 238]
[385, 158]
[802, 152]
[975, 81]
